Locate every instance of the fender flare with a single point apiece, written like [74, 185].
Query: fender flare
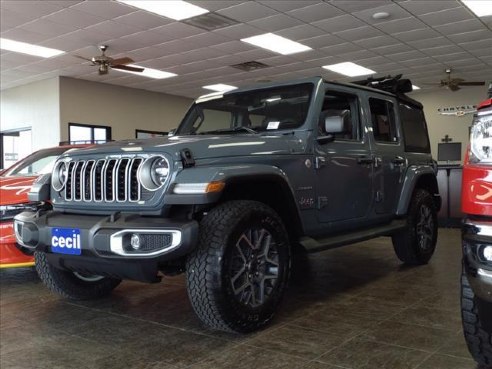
[413, 175]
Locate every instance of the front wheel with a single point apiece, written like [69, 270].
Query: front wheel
[73, 285]
[478, 340]
[237, 275]
[415, 245]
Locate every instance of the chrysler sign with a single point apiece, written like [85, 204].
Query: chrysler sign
[457, 111]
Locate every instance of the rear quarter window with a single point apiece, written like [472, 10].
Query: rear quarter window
[415, 133]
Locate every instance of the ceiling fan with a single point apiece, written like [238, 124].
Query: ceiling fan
[105, 62]
[454, 84]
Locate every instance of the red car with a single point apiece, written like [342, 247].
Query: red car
[15, 183]
[476, 200]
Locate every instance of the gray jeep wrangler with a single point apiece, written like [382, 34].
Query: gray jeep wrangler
[248, 176]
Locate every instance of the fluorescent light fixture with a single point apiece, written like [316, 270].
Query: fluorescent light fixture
[148, 72]
[25, 48]
[177, 10]
[349, 69]
[276, 43]
[220, 87]
[481, 8]
[414, 88]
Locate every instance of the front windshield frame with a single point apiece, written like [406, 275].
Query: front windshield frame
[16, 169]
[269, 113]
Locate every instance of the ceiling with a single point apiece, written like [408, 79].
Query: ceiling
[419, 39]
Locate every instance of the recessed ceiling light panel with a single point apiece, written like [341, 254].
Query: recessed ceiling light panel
[276, 43]
[30, 49]
[349, 69]
[174, 9]
[220, 87]
[481, 8]
[148, 72]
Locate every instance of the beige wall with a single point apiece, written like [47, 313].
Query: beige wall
[35, 105]
[124, 109]
[440, 125]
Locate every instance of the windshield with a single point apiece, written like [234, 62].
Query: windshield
[41, 162]
[250, 112]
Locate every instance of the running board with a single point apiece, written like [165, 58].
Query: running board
[315, 245]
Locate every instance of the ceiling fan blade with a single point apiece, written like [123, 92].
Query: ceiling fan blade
[83, 58]
[471, 83]
[126, 67]
[453, 87]
[121, 61]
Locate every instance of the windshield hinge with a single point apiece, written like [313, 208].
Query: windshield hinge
[187, 158]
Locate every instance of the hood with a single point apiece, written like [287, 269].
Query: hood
[205, 146]
[13, 190]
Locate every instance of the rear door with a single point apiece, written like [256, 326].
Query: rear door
[388, 151]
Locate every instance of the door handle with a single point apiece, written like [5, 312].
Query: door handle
[398, 160]
[365, 160]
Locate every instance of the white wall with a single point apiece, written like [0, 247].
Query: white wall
[124, 109]
[440, 125]
[35, 105]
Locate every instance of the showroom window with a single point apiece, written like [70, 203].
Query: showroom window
[86, 133]
[15, 145]
[383, 120]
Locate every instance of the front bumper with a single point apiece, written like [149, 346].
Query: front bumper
[476, 235]
[10, 255]
[105, 246]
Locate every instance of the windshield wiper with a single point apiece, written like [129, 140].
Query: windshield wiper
[227, 130]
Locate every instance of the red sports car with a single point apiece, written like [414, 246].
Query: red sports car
[476, 200]
[15, 183]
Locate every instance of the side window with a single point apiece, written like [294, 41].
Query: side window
[342, 111]
[383, 120]
[414, 129]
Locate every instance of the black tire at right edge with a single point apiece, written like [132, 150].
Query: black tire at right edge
[479, 341]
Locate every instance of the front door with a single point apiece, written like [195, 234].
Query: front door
[343, 166]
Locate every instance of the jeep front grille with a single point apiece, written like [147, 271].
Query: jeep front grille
[103, 180]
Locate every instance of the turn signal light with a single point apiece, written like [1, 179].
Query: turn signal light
[215, 187]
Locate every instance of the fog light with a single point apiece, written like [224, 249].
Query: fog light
[135, 241]
[487, 253]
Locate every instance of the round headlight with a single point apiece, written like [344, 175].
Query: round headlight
[59, 176]
[153, 173]
[481, 139]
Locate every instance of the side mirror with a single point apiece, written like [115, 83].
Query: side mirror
[172, 132]
[329, 125]
[333, 124]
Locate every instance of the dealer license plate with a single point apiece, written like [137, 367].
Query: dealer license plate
[66, 241]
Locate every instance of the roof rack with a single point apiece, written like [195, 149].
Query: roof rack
[393, 84]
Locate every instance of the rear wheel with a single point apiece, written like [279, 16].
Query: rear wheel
[73, 285]
[237, 275]
[415, 245]
[478, 340]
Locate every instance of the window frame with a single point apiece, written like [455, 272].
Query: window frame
[397, 133]
[355, 112]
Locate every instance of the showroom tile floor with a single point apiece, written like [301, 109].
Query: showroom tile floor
[353, 307]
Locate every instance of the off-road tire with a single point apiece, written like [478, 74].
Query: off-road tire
[479, 341]
[68, 285]
[208, 269]
[407, 243]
